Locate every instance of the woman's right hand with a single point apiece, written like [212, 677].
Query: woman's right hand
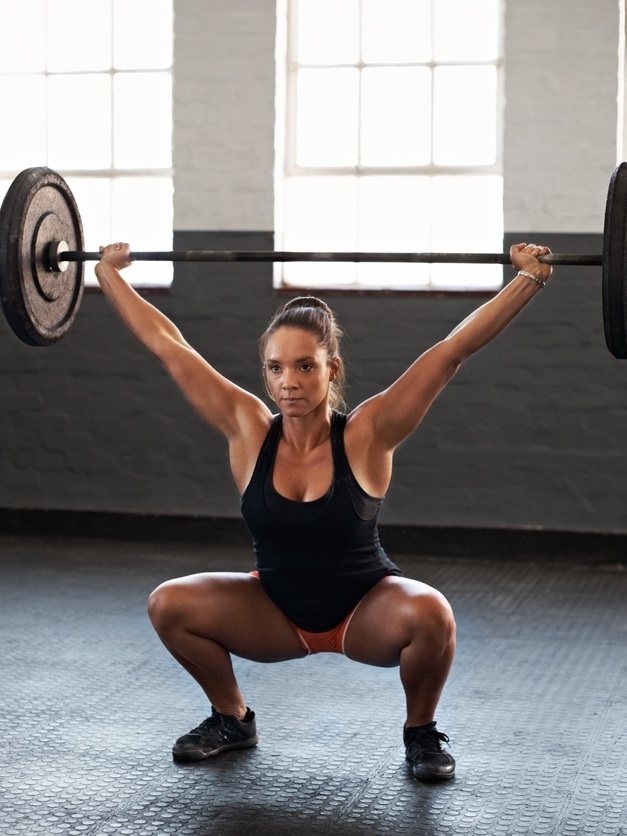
[119, 255]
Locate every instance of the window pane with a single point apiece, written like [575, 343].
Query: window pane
[464, 276]
[327, 117]
[396, 31]
[142, 120]
[467, 217]
[79, 121]
[22, 140]
[79, 35]
[4, 188]
[394, 216]
[396, 116]
[464, 120]
[142, 215]
[142, 34]
[394, 213]
[328, 31]
[466, 31]
[20, 54]
[322, 217]
[93, 196]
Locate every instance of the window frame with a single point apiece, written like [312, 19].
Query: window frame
[288, 167]
[112, 172]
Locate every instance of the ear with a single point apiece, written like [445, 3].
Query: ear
[334, 367]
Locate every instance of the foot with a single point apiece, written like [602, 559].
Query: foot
[423, 750]
[218, 733]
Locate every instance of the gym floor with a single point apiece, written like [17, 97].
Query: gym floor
[535, 707]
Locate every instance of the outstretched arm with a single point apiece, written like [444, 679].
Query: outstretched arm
[147, 324]
[225, 406]
[396, 412]
[488, 321]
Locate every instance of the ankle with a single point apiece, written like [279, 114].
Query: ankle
[422, 726]
[239, 713]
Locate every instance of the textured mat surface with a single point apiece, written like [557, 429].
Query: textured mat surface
[536, 709]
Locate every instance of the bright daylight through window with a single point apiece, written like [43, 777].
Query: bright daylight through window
[388, 139]
[89, 89]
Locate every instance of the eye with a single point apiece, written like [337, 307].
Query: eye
[306, 367]
[274, 368]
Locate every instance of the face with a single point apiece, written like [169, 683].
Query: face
[298, 371]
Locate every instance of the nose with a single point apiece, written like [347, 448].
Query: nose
[289, 381]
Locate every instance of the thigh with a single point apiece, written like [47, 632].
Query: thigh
[232, 609]
[391, 616]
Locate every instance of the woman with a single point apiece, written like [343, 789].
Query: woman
[312, 481]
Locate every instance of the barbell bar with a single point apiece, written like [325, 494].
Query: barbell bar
[42, 256]
[321, 257]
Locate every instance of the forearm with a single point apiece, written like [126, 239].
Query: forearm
[144, 321]
[488, 321]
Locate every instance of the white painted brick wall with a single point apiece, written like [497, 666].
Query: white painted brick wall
[561, 90]
[224, 114]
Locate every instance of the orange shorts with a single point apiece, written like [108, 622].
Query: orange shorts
[330, 641]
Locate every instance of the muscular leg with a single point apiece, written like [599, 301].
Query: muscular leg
[406, 623]
[203, 618]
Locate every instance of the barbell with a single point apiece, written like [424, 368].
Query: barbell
[41, 258]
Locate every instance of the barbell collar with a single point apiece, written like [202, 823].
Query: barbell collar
[582, 260]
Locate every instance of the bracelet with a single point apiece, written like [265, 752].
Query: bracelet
[533, 278]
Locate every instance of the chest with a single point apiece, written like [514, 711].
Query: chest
[303, 476]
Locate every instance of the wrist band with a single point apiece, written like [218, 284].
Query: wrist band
[533, 278]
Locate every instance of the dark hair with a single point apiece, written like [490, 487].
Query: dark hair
[313, 315]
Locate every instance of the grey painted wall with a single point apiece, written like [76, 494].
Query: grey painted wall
[530, 432]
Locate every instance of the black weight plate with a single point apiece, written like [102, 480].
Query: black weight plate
[40, 304]
[615, 264]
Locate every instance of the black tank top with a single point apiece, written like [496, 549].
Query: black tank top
[316, 560]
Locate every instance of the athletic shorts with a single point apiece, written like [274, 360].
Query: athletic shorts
[329, 641]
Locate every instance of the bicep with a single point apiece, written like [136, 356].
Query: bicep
[221, 403]
[397, 411]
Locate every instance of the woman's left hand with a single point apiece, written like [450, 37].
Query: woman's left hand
[525, 257]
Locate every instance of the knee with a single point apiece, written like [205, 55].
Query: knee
[433, 617]
[447, 619]
[166, 606]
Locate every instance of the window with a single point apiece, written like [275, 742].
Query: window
[388, 139]
[88, 87]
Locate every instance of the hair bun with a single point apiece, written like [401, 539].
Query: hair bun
[308, 302]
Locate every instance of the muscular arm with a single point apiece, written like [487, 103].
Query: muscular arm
[382, 422]
[222, 404]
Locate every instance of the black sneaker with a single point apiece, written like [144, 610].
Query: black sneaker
[216, 734]
[423, 750]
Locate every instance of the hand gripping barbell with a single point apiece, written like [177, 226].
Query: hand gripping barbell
[41, 258]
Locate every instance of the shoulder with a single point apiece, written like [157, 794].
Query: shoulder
[369, 458]
[360, 423]
[245, 444]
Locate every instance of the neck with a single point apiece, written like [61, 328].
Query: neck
[308, 431]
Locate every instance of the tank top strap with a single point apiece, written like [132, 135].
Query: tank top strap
[271, 442]
[340, 462]
[266, 456]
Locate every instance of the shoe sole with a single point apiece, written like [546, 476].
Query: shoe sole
[433, 778]
[198, 754]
